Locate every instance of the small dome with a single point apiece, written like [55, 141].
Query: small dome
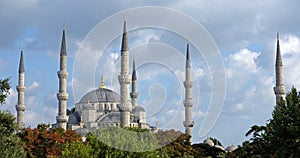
[219, 147]
[82, 131]
[138, 109]
[231, 148]
[100, 95]
[209, 142]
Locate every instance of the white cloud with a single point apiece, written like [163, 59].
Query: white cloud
[145, 36]
[250, 93]
[239, 106]
[2, 63]
[11, 101]
[290, 48]
[290, 45]
[32, 102]
[33, 88]
[244, 60]
[114, 56]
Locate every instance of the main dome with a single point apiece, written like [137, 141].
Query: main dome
[100, 95]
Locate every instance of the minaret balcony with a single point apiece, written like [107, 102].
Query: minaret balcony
[20, 107]
[62, 119]
[62, 74]
[188, 102]
[188, 123]
[187, 84]
[126, 107]
[279, 90]
[124, 79]
[21, 88]
[134, 95]
[62, 96]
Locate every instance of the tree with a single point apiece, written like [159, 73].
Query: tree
[76, 150]
[41, 142]
[283, 130]
[119, 142]
[4, 89]
[281, 136]
[10, 144]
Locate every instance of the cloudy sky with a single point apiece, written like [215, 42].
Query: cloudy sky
[244, 34]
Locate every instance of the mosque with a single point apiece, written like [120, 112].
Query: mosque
[103, 107]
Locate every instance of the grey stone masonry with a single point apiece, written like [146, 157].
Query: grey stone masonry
[20, 107]
[188, 102]
[133, 93]
[62, 94]
[279, 89]
[124, 80]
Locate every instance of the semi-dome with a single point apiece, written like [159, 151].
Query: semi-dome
[209, 142]
[231, 148]
[100, 95]
[138, 109]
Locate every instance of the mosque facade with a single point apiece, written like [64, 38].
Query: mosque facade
[103, 107]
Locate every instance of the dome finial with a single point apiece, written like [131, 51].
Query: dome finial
[102, 82]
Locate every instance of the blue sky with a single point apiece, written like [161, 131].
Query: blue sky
[244, 33]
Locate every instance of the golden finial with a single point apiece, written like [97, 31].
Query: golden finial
[125, 15]
[102, 82]
[64, 25]
[81, 122]
[156, 123]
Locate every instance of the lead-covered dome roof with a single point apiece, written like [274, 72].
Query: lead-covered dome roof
[100, 95]
[138, 109]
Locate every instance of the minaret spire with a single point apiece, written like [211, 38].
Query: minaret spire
[279, 89]
[124, 37]
[20, 107]
[133, 93]
[62, 94]
[63, 42]
[124, 80]
[188, 101]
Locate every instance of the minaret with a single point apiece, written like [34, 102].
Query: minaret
[124, 80]
[133, 93]
[62, 95]
[188, 102]
[20, 107]
[279, 89]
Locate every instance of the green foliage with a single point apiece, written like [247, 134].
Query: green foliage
[111, 142]
[118, 142]
[216, 141]
[283, 131]
[8, 125]
[77, 150]
[281, 136]
[4, 90]
[43, 126]
[10, 144]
